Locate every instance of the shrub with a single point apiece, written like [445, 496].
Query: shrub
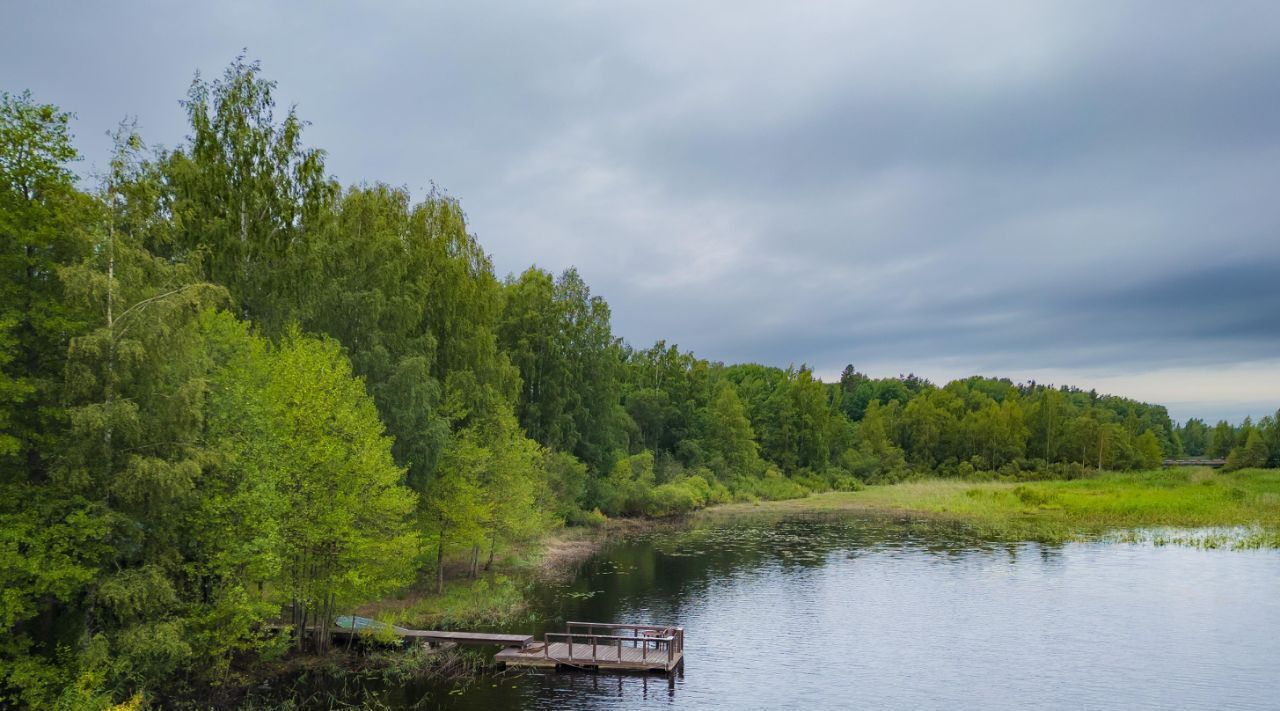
[677, 497]
[1033, 497]
[590, 519]
[773, 486]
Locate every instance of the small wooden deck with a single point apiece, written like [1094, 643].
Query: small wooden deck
[621, 648]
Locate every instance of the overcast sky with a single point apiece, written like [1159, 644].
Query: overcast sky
[1082, 192]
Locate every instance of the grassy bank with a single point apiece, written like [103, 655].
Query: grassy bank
[1049, 511]
[496, 598]
[1063, 510]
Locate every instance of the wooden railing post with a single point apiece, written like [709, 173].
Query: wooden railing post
[662, 638]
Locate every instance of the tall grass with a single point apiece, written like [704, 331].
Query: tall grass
[1060, 510]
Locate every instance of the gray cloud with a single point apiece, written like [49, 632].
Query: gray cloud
[1080, 189]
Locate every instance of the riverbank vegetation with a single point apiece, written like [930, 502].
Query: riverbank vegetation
[1058, 510]
[236, 394]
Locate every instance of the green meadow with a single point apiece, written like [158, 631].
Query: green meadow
[1118, 504]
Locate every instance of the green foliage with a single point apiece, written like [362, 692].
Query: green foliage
[730, 439]
[773, 486]
[1148, 452]
[44, 223]
[567, 482]
[247, 197]
[232, 395]
[629, 486]
[302, 450]
[1221, 440]
[558, 336]
[1253, 453]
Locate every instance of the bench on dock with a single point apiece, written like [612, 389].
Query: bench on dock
[603, 646]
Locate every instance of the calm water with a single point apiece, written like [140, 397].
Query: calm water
[819, 612]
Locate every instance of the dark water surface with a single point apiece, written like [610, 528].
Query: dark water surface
[841, 612]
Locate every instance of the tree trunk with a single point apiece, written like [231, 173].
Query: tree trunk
[440, 564]
[493, 544]
[111, 323]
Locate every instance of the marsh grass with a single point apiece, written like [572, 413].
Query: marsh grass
[1237, 509]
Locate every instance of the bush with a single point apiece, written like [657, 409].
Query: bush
[773, 486]
[841, 480]
[677, 497]
[590, 519]
[1011, 471]
[811, 482]
[1033, 497]
[1067, 470]
[630, 485]
[566, 484]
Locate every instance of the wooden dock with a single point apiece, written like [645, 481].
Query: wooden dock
[599, 647]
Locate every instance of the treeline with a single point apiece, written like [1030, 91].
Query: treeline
[1249, 444]
[234, 392]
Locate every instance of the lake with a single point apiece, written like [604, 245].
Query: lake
[873, 612]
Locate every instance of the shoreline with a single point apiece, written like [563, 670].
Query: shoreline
[1187, 504]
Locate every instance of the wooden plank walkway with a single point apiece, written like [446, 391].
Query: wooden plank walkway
[556, 654]
[349, 625]
[472, 638]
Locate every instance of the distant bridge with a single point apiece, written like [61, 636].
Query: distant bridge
[1215, 463]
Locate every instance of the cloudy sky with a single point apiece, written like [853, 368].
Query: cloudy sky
[1082, 192]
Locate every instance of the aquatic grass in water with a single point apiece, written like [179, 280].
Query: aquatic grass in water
[1224, 537]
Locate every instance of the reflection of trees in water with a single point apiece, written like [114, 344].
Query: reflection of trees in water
[655, 576]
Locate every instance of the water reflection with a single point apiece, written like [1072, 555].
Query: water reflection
[843, 612]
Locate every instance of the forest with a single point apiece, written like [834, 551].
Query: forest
[234, 392]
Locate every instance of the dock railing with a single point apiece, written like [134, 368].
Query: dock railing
[657, 641]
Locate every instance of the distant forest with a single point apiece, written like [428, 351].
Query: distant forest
[233, 391]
